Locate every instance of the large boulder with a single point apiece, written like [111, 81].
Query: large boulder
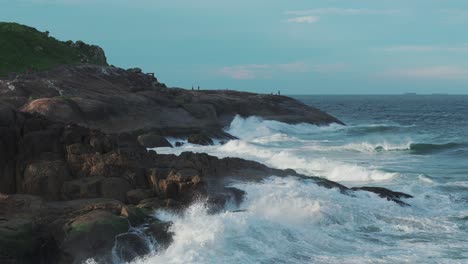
[19, 240]
[58, 109]
[91, 235]
[46, 178]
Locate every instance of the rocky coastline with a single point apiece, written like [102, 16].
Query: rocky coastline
[76, 176]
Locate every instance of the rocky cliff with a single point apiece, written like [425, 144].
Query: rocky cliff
[68, 191]
[116, 100]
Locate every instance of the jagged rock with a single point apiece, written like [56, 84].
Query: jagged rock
[135, 70]
[225, 197]
[67, 162]
[134, 102]
[386, 193]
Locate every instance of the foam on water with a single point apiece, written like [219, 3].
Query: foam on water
[288, 220]
[284, 158]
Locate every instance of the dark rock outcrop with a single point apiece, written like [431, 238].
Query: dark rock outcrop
[115, 100]
[200, 139]
[152, 140]
[386, 193]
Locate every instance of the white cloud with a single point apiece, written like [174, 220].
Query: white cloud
[267, 71]
[427, 48]
[342, 11]
[304, 19]
[435, 72]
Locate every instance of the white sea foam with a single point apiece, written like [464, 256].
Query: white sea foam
[283, 158]
[287, 220]
[255, 127]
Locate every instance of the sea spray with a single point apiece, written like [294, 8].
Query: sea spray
[295, 221]
[289, 220]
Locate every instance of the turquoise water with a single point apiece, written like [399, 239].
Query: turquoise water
[413, 144]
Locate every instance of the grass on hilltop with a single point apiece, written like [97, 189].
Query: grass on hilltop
[24, 49]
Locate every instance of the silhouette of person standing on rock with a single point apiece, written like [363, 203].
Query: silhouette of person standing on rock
[198, 88]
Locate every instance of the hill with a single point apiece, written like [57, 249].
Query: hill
[24, 49]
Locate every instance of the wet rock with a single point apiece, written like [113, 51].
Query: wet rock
[130, 246]
[161, 232]
[200, 139]
[386, 193]
[92, 235]
[152, 140]
[136, 216]
[19, 241]
[228, 197]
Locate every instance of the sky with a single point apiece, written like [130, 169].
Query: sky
[295, 46]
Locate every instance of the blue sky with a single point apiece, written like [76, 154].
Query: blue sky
[296, 46]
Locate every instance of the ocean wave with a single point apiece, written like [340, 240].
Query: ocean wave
[427, 148]
[287, 220]
[414, 148]
[256, 127]
[365, 147]
[376, 128]
[284, 158]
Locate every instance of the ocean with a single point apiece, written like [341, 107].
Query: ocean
[409, 143]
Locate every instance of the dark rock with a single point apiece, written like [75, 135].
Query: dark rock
[152, 140]
[386, 193]
[115, 100]
[130, 246]
[160, 231]
[136, 216]
[92, 235]
[228, 196]
[115, 188]
[19, 241]
[137, 195]
[135, 70]
[200, 139]
[82, 188]
[179, 144]
[46, 178]
[152, 203]
[64, 163]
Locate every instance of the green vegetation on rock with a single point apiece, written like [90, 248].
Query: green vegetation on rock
[24, 49]
[17, 240]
